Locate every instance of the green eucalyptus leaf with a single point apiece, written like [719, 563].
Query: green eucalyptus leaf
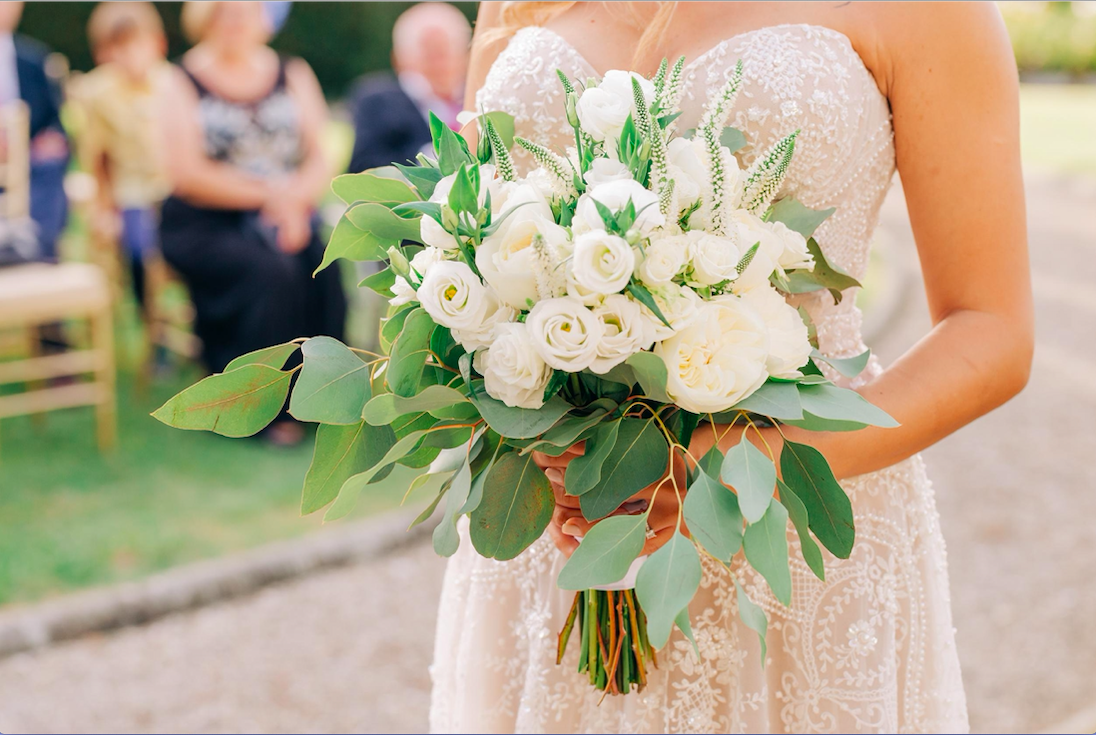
[829, 401]
[380, 282]
[384, 409]
[732, 138]
[446, 539]
[274, 356]
[850, 367]
[766, 546]
[605, 553]
[812, 555]
[237, 403]
[773, 399]
[516, 508]
[369, 187]
[682, 621]
[517, 423]
[807, 473]
[712, 462]
[810, 422]
[639, 457]
[752, 616]
[713, 517]
[407, 359]
[752, 475]
[650, 371]
[822, 276]
[567, 431]
[333, 385]
[584, 472]
[665, 584]
[365, 232]
[392, 325]
[342, 451]
[351, 489]
[796, 216]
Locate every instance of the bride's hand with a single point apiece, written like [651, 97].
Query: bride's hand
[567, 519]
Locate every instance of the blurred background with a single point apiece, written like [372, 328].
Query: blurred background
[157, 580]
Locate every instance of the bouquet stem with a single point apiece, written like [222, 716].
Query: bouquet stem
[614, 652]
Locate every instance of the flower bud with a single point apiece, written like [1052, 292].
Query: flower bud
[571, 105]
[399, 261]
[449, 219]
[632, 236]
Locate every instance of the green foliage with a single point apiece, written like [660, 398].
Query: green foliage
[584, 472]
[639, 457]
[650, 371]
[712, 514]
[516, 508]
[732, 138]
[807, 473]
[351, 489]
[342, 451]
[605, 553]
[829, 401]
[517, 423]
[385, 408]
[640, 293]
[371, 187]
[798, 514]
[798, 217]
[822, 276]
[450, 148]
[567, 430]
[333, 386]
[752, 475]
[850, 367]
[238, 403]
[446, 540]
[665, 584]
[407, 359]
[776, 400]
[274, 357]
[366, 232]
[765, 544]
[752, 616]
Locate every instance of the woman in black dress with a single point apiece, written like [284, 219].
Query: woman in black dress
[242, 146]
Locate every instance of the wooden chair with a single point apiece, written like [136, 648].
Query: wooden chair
[41, 293]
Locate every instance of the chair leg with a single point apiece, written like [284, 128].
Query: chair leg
[102, 339]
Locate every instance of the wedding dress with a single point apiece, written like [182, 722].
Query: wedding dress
[872, 648]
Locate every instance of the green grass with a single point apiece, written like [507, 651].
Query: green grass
[1057, 126]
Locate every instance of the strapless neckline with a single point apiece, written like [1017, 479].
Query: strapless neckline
[720, 45]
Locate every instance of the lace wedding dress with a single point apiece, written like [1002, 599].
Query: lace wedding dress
[872, 648]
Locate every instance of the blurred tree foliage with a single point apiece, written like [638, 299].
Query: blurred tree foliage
[1053, 36]
[341, 40]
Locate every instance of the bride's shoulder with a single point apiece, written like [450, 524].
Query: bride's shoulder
[895, 38]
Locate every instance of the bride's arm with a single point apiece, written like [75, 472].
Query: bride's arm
[951, 80]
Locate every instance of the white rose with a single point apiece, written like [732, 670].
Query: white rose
[615, 195]
[687, 169]
[403, 292]
[511, 264]
[713, 258]
[482, 335]
[602, 263]
[662, 260]
[680, 306]
[433, 234]
[717, 360]
[454, 297]
[752, 230]
[565, 333]
[603, 110]
[789, 346]
[604, 170]
[627, 332]
[512, 370]
[795, 253]
[515, 201]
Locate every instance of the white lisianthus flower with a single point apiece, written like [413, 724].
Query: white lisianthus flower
[627, 331]
[482, 335]
[565, 333]
[454, 297]
[795, 254]
[662, 260]
[713, 259]
[433, 234]
[789, 346]
[717, 360]
[516, 201]
[680, 306]
[512, 370]
[604, 170]
[603, 110]
[402, 291]
[602, 263]
[508, 258]
[687, 169]
[614, 195]
[752, 230]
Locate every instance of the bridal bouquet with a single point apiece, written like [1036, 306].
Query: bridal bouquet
[621, 293]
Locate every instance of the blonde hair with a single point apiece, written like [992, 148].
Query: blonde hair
[516, 15]
[117, 22]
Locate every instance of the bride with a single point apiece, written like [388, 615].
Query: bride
[927, 89]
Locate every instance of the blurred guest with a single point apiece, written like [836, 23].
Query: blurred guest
[23, 76]
[119, 143]
[242, 131]
[430, 56]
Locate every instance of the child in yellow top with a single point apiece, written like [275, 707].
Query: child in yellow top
[120, 98]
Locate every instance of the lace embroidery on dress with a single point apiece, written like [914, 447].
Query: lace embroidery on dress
[872, 648]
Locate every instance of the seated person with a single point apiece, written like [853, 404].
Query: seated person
[430, 44]
[242, 132]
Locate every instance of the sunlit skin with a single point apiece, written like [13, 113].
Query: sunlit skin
[948, 72]
[233, 60]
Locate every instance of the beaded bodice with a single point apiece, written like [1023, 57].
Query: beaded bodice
[798, 76]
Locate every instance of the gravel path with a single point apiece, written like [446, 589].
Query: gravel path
[348, 650]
